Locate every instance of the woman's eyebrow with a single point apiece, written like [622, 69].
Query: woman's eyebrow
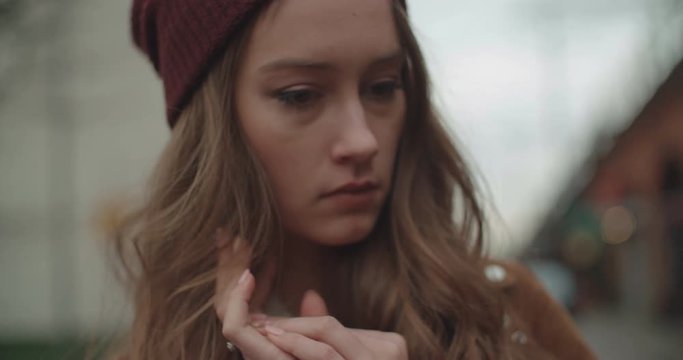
[294, 63]
[397, 56]
[289, 63]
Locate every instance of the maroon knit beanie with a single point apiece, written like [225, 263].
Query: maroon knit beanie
[182, 39]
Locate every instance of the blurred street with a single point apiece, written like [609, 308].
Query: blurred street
[623, 336]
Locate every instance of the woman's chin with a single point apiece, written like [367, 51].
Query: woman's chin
[345, 232]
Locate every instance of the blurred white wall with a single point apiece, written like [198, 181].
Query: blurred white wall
[81, 124]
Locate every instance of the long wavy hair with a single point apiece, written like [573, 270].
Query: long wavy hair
[419, 272]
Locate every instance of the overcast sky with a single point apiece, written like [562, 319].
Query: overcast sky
[527, 85]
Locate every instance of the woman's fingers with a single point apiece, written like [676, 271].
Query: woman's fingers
[328, 330]
[235, 287]
[302, 347]
[236, 314]
[383, 345]
[312, 304]
[236, 328]
[389, 343]
[233, 257]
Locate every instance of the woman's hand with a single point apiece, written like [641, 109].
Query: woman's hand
[323, 337]
[315, 335]
[316, 338]
[234, 293]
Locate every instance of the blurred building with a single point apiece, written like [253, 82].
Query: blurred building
[81, 123]
[619, 224]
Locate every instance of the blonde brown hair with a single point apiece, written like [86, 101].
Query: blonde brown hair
[418, 273]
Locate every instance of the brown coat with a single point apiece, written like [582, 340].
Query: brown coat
[534, 320]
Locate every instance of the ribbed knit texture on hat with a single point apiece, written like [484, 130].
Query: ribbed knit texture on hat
[182, 39]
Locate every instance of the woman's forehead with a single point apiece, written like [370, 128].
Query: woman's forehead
[326, 10]
[324, 30]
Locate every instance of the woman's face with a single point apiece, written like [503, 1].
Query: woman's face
[320, 100]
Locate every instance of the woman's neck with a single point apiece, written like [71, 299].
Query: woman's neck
[305, 266]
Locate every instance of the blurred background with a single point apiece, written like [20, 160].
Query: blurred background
[571, 112]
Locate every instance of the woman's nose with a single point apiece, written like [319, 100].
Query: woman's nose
[356, 141]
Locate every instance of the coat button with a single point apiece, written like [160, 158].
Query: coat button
[495, 273]
[519, 337]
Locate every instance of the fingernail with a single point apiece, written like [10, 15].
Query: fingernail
[243, 277]
[274, 330]
[258, 323]
[258, 320]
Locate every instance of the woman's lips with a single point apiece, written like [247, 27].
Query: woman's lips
[353, 187]
[354, 195]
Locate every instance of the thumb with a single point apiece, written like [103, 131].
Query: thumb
[312, 304]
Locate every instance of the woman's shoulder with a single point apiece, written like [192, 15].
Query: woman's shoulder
[532, 315]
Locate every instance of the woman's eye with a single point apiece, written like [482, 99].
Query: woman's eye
[297, 97]
[384, 90]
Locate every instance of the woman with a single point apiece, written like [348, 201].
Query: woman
[303, 131]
